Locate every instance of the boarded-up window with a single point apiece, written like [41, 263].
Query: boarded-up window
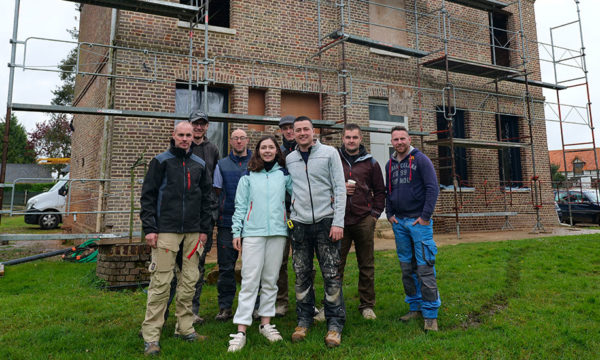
[387, 22]
[301, 105]
[256, 106]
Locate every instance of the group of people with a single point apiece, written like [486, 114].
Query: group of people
[303, 195]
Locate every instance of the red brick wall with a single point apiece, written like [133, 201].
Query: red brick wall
[87, 139]
[287, 32]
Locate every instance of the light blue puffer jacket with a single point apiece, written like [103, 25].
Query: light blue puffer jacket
[260, 203]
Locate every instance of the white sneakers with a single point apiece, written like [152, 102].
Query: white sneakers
[238, 340]
[269, 331]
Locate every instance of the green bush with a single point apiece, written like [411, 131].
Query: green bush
[39, 187]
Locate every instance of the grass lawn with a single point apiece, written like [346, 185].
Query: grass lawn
[16, 225]
[529, 299]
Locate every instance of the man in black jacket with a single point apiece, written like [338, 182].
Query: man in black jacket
[208, 152]
[175, 209]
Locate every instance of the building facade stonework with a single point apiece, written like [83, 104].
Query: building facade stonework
[265, 64]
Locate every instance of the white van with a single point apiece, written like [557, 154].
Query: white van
[44, 209]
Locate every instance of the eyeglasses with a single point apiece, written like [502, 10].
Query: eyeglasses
[241, 138]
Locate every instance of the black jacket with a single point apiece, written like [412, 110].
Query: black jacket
[209, 152]
[176, 194]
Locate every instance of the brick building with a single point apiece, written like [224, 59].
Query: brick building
[273, 58]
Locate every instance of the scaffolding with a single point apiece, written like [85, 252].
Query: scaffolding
[431, 35]
[426, 55]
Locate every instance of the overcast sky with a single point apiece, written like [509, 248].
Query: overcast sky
[51, 18]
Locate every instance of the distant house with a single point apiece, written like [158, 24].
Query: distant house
[19, 171]
[580, 164]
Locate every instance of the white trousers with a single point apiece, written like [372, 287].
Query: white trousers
[261, 260]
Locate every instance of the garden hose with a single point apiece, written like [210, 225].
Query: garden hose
[84, 253]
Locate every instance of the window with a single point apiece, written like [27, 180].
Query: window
[256, 106]
[381, 143]
[500, 45]
[578, 166]
[387, 23]
[444, 152]
[218, 11]
[509, 160]
[379, 111]
[218, 101]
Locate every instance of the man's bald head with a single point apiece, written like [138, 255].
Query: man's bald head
[183, 135]
[239, 142]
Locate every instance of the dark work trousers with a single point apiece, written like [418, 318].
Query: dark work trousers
[282, 282]
[226, 258]
[306, 240]
[199, 284]
[362, 236]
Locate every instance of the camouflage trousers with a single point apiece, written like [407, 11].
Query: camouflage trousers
[308, 239]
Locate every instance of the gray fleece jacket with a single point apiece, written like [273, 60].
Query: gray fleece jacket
[319, 189]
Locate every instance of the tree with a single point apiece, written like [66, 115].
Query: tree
[64, 94]
[556, 175]
[52, 138]
[19, 151]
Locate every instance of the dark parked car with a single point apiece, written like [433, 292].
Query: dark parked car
[583, 204]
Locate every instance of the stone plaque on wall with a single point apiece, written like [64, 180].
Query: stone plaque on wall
[400, 101]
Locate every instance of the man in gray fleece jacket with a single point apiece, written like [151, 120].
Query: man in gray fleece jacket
[317, 211]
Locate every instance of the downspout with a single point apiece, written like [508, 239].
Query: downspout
[107, 126]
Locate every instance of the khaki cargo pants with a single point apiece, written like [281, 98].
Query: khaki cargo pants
[161, 270]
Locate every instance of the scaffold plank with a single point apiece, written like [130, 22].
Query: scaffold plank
[155, 7]
[485, 5]
[359, 40]
[218, 117]
[470, 67]
[474, 143]
[521, 80]
[479, 214]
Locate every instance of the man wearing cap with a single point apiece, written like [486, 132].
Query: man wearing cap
[175, 209]
[286, 125]
[210, 154]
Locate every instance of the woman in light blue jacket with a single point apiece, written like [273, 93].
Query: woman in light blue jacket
[260, 219]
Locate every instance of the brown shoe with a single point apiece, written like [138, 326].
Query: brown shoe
[299, 334]
[193, 337]
[151, 348]
[333, 339]
[431, 325]
[224, 315]
[197, 320]
[411, 315]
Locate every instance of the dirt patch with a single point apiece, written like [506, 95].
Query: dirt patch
[384, 240]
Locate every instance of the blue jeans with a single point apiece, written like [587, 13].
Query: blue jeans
[306, 240]
[416, 251]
